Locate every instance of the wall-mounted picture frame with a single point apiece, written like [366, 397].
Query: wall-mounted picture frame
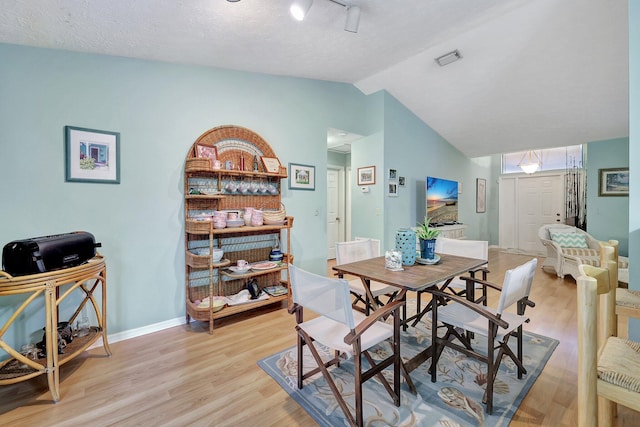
[393, 174]
[367, 175]
[481, 195]
[392, 188]
[92, 155]
[613, 182]
[271, 164]
[302, 177]
[401, 181]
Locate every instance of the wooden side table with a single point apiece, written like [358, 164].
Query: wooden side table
[85, 278]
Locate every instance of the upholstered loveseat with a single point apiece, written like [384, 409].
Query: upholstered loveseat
[568, 247]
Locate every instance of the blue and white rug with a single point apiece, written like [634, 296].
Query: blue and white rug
[454, 400]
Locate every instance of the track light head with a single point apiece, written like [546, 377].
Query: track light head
[300, 8]
[352, 22]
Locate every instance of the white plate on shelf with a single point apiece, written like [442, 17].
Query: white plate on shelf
[264, 265]
[237, 269]
[271, 222]
[426, 261]
[235, 223]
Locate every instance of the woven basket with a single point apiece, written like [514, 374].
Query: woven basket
[274, 216]
[198, 164]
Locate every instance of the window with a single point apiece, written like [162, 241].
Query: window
[560, 158]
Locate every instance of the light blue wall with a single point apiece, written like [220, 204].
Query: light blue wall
[607, 217]
[417, 151]
[367, 209]
[336, 159]
[634, 156]
[159, 109]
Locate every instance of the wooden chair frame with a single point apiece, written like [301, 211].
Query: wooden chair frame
[493, 342]
[354, 339]
[597, 323]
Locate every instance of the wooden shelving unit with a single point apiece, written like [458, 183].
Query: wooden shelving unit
[203, 277]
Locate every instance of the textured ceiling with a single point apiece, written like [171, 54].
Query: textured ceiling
[537, 73]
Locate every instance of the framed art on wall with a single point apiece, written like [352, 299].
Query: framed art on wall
[481, 195]
[613, 182]
[393, 188]
[302, 177]
[92, 155]
[367, 175]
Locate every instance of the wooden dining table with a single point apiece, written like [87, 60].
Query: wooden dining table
[417, 277]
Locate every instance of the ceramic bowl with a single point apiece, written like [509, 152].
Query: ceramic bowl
[217, 254]
[218, 304]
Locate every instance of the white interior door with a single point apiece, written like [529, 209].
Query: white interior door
[334, 224]
[540, 200]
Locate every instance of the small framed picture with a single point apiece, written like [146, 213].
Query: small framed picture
[481, 195]
[207, 151]
[271, 164]
[302, 177]
[367, 175]
[393, 174]
[92, 155]
[613, 182]
[401, 181]
[392, 188]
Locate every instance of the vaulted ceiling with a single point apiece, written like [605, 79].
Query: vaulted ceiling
[533, 73]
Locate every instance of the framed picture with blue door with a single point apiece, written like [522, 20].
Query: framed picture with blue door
[92, 155]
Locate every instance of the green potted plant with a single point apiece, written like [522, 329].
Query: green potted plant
[427, 238]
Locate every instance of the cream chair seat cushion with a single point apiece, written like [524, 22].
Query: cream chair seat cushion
[619, 364]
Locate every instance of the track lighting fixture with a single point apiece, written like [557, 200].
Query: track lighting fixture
[300, 8]
[353, 19]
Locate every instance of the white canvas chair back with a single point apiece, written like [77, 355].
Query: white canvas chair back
[375, 245]
[354, 250]
[517, 284]
[478, 249]
[323, 295]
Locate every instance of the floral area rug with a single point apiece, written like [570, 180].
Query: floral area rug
[454, 400]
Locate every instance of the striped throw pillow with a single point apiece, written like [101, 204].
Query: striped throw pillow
[570, 240]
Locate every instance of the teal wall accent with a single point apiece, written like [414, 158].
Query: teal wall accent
[607, 217]
[367, 209]
[336, 159]
[634, 157]
[159, 109]
[417, 151]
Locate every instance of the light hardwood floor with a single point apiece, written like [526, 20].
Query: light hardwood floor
[184, 376]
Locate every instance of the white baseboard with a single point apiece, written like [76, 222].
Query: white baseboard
[137, 332]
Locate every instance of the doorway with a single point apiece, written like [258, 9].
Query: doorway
[527, 203]
[335, 208]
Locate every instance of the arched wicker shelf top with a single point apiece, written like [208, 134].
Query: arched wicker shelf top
[233, 138]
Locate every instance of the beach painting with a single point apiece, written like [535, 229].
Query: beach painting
[442, 200]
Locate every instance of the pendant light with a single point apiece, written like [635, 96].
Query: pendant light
[530, 162]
